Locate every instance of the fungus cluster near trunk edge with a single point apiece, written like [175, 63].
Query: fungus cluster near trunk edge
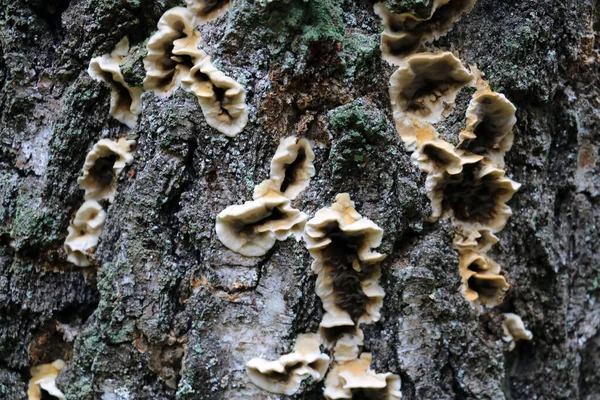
[285, 375]
[466, 181]
[404, 33]
[251, 229]
[102, 166]
[125, 101]
[43, 381]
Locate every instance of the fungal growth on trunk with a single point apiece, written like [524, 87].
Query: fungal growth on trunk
[425, 86]
[481, 279]
[251, 229]
[222, 100]
[354, 379]
[125, 101]
[405, 32]
[84, 233]
[172, 51]
[285, 375]
[340, 241]
[208, 10]
[490, 121]
[43, 379]
[102, 165]
[476, 195]
[514, 330]
[468, 181]
[292, 167]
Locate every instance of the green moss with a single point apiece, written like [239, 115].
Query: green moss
[32, 225]
[358, 126]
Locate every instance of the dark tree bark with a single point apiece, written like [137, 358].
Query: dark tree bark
[167, 311]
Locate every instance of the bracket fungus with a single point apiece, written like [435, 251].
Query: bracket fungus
[102, 165]
[285, 375]
[172, 51]
[208, 10]
[490, 121]
[476, 195]
[405, 33]
[347, 379]
[292, 167]
[251, 229]
[424, 86]
[43, 377]
[514, 330]
[222, 100]
[340, 241]
[84, 233]
[125, 101]
[481, 279]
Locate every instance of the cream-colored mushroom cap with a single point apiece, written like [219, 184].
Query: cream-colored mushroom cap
[102, 165]
[125, 101]
[222, 100]
[44, 377]
[84, 232]
[251, 229]
[426, 85]
[164, 68]
[285, 375]
[514, 329]
[292, 166]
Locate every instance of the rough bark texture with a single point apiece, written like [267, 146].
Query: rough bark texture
[169, 312]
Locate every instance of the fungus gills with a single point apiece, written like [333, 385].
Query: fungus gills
[125, 102]
[404, 33]
[251, 229]
[43, 378]
[285, 375]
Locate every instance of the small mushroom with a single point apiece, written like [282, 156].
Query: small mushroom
[208, 10]
[285, 375]
[514, 330]
[425, 85]
[125, 101]
[349, 378]
[102, 165]
[84, 233]
[172, 51]
[223, 100]
[404, 33]
[292, 166]
[251, 229]
[43, 377]
[489, 131]
[481, 279]
[340, 241]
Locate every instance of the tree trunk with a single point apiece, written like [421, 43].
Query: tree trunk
[167, 311]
